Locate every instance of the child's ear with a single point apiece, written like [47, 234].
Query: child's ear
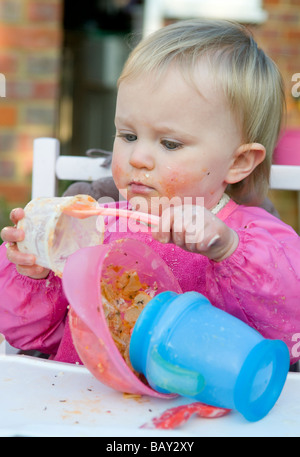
[245, 160]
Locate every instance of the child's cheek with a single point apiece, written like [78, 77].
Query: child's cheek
[172, 183]
[177, 183]
[117, 173]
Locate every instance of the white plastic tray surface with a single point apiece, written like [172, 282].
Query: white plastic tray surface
[44, 398]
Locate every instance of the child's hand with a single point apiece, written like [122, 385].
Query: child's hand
[196, 229]
[25, 263]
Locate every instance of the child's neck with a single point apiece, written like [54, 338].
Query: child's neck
[220, 205]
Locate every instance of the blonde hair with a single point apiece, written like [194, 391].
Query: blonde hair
[250, 80]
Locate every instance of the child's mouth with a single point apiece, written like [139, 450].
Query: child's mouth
[139, 188]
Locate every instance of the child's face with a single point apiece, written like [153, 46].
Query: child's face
[172, 140]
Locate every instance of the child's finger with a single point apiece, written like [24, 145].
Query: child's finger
[19, 258]
[161, 232]
[12, 234]
[178, 229]
[25, 263]
[16, 215]
[34, 271]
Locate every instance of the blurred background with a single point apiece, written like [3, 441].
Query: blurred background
[60, 60]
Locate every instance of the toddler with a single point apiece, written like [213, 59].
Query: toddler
[198, 114]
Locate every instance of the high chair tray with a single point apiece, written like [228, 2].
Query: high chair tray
[44, 398]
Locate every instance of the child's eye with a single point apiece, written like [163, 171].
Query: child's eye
[127, 136]
[171, 145]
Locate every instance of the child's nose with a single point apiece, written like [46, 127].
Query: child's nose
[142, 157]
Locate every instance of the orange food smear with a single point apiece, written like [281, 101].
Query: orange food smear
[124, 297]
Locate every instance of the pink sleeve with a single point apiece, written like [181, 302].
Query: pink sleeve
[32, 311]
[260, 282]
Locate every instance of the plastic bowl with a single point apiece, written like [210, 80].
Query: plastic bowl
[91, 336]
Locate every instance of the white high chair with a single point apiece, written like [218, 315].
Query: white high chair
[49, 167]
[286, 177]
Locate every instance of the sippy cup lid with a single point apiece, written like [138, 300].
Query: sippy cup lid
[261, 379]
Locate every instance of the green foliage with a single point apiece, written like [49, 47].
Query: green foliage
[5, 209]
[62, 186]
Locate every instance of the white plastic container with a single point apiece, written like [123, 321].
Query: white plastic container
[52, 235]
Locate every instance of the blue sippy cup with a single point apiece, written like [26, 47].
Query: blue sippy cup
[184, 345]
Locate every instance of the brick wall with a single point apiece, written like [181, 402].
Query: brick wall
[279, 36]
[30, 46]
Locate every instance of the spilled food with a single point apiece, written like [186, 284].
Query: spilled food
[124, 297]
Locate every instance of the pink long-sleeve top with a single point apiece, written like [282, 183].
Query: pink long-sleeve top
[259, 284]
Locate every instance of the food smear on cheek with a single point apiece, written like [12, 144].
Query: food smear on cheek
[119, 176]
[124, 297]
[171, 183]
[177, 183]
